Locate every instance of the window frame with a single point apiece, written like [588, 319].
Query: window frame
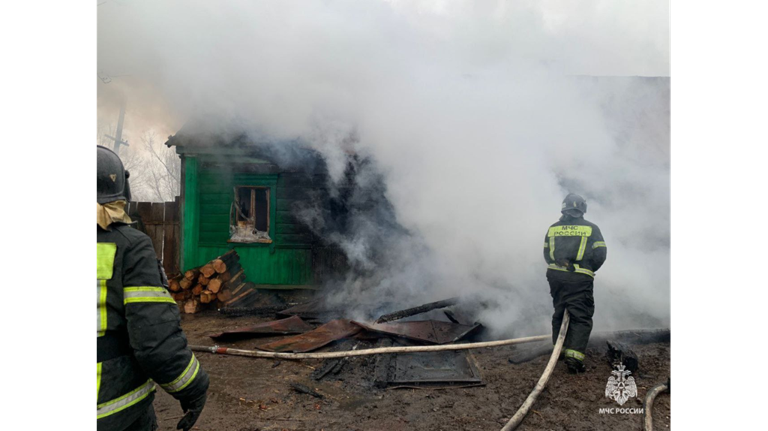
[237, 220]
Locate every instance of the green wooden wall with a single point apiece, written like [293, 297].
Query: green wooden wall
[208, 195]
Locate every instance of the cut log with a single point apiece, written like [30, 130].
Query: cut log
[225, 277]
[220, 266]
[192, 274]
[233, 269]
[207, 270]
[230, 260]
[215, 285]
[247, 298]
[228, 255]
[186, 283]
[173, 285]
[236, 280]
[240, 295]
[203, 280]
[192, 306]
[224, 295]
[236, 289]
[197, 290]
[207, 296]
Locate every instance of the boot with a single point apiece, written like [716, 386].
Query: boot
[575, 366]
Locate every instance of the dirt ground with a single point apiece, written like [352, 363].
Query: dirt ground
[248, 394]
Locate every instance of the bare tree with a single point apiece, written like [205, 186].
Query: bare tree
[101, 135]
[155, 169]
[164, 169]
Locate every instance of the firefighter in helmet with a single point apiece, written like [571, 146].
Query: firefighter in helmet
[139, 341]
[574, 249]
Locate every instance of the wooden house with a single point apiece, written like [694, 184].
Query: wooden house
[255, 197]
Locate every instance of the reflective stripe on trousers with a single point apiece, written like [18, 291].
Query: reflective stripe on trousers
[570, 353]
[576, 266]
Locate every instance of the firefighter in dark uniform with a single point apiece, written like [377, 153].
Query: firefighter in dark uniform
[139, 341]
[574, 249]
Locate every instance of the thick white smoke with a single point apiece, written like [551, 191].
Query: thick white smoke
[476, 113]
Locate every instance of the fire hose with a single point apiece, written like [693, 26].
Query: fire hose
[517, 419]
[513, 423]
[365, 352]
[650, 397]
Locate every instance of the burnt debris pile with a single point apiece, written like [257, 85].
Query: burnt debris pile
[315, 326]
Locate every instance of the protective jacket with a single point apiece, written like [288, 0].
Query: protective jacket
[139, 340]
[574, 249]
[574, 245]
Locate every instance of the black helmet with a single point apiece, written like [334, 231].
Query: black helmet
[574, 202]
[111, 177]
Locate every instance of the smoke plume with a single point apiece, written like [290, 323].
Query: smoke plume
[473, 118]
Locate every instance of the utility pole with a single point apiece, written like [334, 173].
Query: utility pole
[118, 138]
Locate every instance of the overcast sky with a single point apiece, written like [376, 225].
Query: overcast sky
[172, 56]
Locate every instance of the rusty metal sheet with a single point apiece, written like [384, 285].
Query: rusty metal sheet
[430, 331]
[291, 325]
[312, 340]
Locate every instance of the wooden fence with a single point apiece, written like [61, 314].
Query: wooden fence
[160, 221]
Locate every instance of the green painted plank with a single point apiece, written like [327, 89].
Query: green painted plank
[214, 237]
[216, 198]
[214, 226]
[190, 228]
[283, 228]
[216, 209]
[295, 193]
[284, 204]
[294, 238]
[209, 196]
[217, 187]
[286, 217]
[283, 267]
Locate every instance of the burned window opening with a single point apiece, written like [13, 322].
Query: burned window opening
[249, 217]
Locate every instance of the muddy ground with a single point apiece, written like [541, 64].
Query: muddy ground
[248, 394]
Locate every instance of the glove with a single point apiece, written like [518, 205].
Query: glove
[192, 409]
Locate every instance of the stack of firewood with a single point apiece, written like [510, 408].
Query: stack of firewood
[213, 283]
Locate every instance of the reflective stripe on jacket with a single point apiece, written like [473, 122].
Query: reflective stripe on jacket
[138, 335]
[574, 245]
